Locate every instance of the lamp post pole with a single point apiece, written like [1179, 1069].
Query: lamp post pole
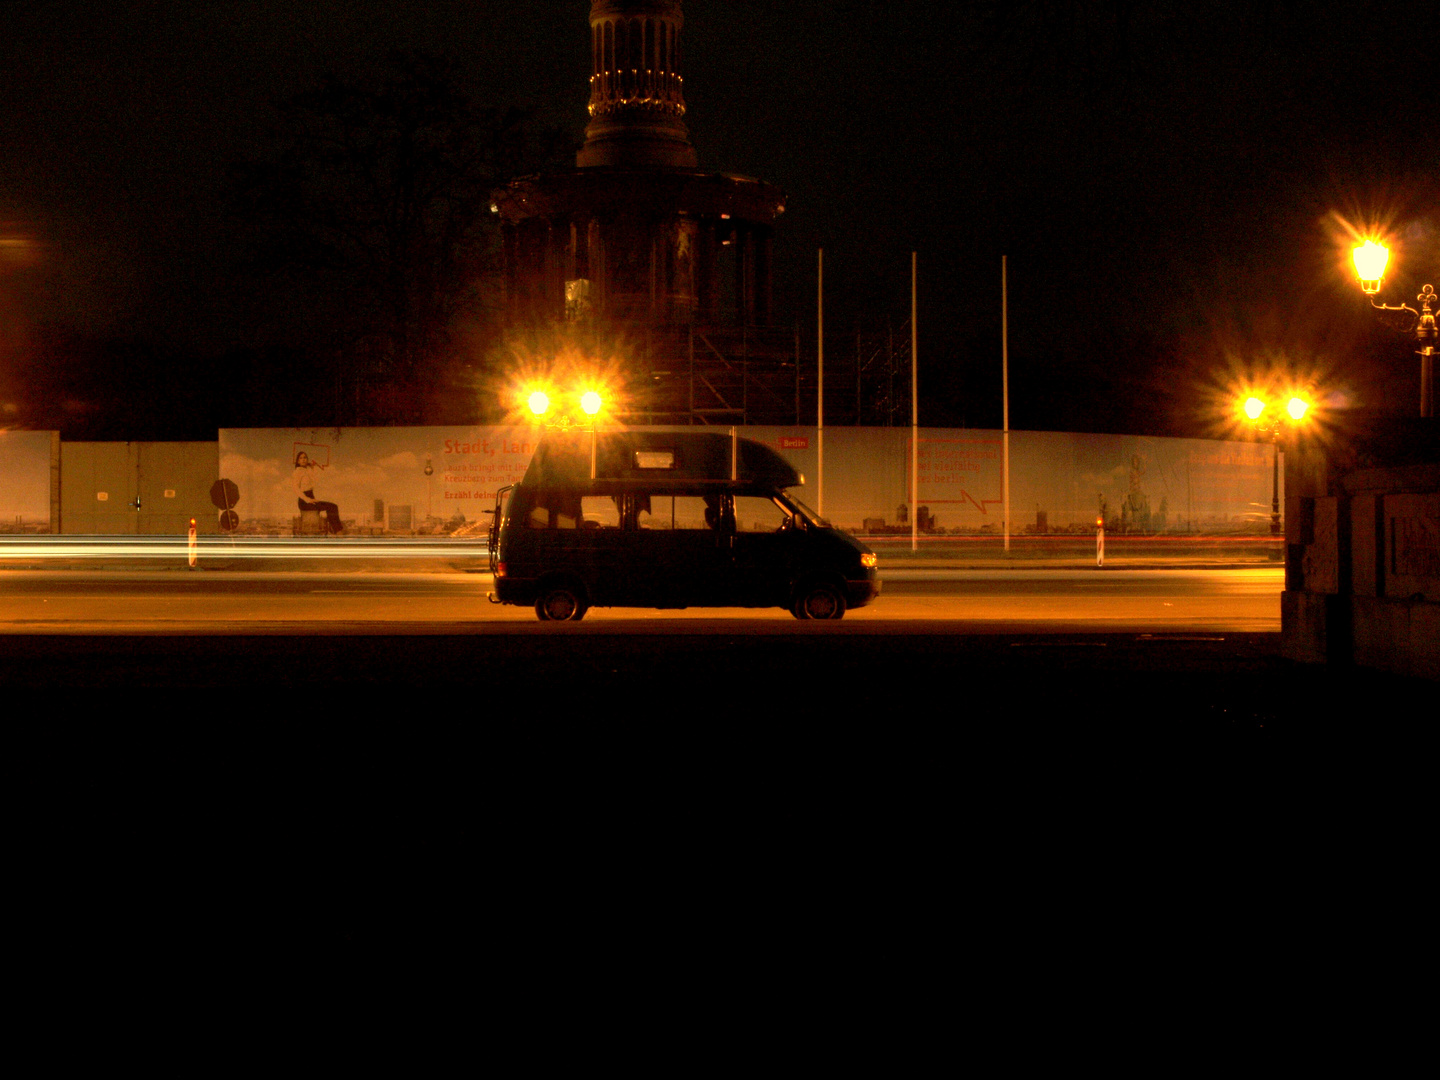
[1370, 262]
[1426, 338]
[1296, 409]
[1275, 480]
[1426, 335]
[591, 402]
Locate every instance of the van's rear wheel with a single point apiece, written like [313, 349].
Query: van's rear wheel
[819, 601]
[560, 603]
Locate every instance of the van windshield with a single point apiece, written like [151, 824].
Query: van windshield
[810, 516]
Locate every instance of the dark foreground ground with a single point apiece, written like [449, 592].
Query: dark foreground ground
[946, 676]
[856, 841]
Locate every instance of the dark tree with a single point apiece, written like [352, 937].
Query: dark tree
[369, 219]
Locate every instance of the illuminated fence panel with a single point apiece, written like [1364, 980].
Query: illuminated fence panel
[414, 481]
[433, 484]
[1059, 481]
[29, 468]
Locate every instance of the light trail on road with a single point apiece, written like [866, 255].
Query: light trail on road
[224, 548]
[224, 602]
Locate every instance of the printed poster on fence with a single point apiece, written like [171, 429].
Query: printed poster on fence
[415, 481]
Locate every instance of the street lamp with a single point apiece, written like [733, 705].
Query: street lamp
[1371, 259]
[590, 401]
[1295, 411]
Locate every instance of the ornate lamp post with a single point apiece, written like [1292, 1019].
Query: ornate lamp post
[590, 402]
[1295, 410]
[1370, 262]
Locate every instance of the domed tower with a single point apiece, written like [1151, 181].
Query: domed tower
[637, 94]
[637, 245]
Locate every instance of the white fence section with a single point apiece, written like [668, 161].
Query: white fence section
[436, 481]
[1059, 481]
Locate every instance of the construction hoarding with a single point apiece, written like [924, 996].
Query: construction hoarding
[438, 480]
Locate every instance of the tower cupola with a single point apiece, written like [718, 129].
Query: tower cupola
[637, 93]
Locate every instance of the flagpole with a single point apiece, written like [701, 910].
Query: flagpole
[1005, 392]
[820, 392]
[914, 417]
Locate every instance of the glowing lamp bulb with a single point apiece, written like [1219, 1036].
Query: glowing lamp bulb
[539, 403]
[1254, 407]
[590, 402]
[1370, 260]
[1297, 408]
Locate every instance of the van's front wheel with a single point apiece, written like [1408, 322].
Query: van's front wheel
[560, 603]
[819, 601]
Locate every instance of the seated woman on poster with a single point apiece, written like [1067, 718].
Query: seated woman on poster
[305, 489]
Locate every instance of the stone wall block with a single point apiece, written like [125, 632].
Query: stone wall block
[1303, 617]
[1364, 545]
[1425, 643]
[1399, 636]
[1412, 547]
[1299, 531]
[1320, 563]
[1299, 519]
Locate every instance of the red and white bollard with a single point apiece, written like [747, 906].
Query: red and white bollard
[194, 547]
[1100, 542]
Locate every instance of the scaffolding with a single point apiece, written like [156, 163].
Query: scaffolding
[882, 373]
[689, 373]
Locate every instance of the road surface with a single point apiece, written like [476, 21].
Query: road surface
[228, 602]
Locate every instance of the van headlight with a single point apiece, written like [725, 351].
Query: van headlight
[869, 560]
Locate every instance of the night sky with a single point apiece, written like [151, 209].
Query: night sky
[1170, 183]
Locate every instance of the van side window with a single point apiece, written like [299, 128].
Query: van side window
[600, 511]
[555, 509]
[758, 514]
[655, 512]
[692, 513]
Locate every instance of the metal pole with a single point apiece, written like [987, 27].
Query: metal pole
[1427, 381]
[914, 417]
[744, 374]
[1005, 394]
[1426, 337]
[797, 372]
[1275, 483]
[890, 372]
[820, 393]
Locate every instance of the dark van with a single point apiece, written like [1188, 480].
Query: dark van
[669, 520]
